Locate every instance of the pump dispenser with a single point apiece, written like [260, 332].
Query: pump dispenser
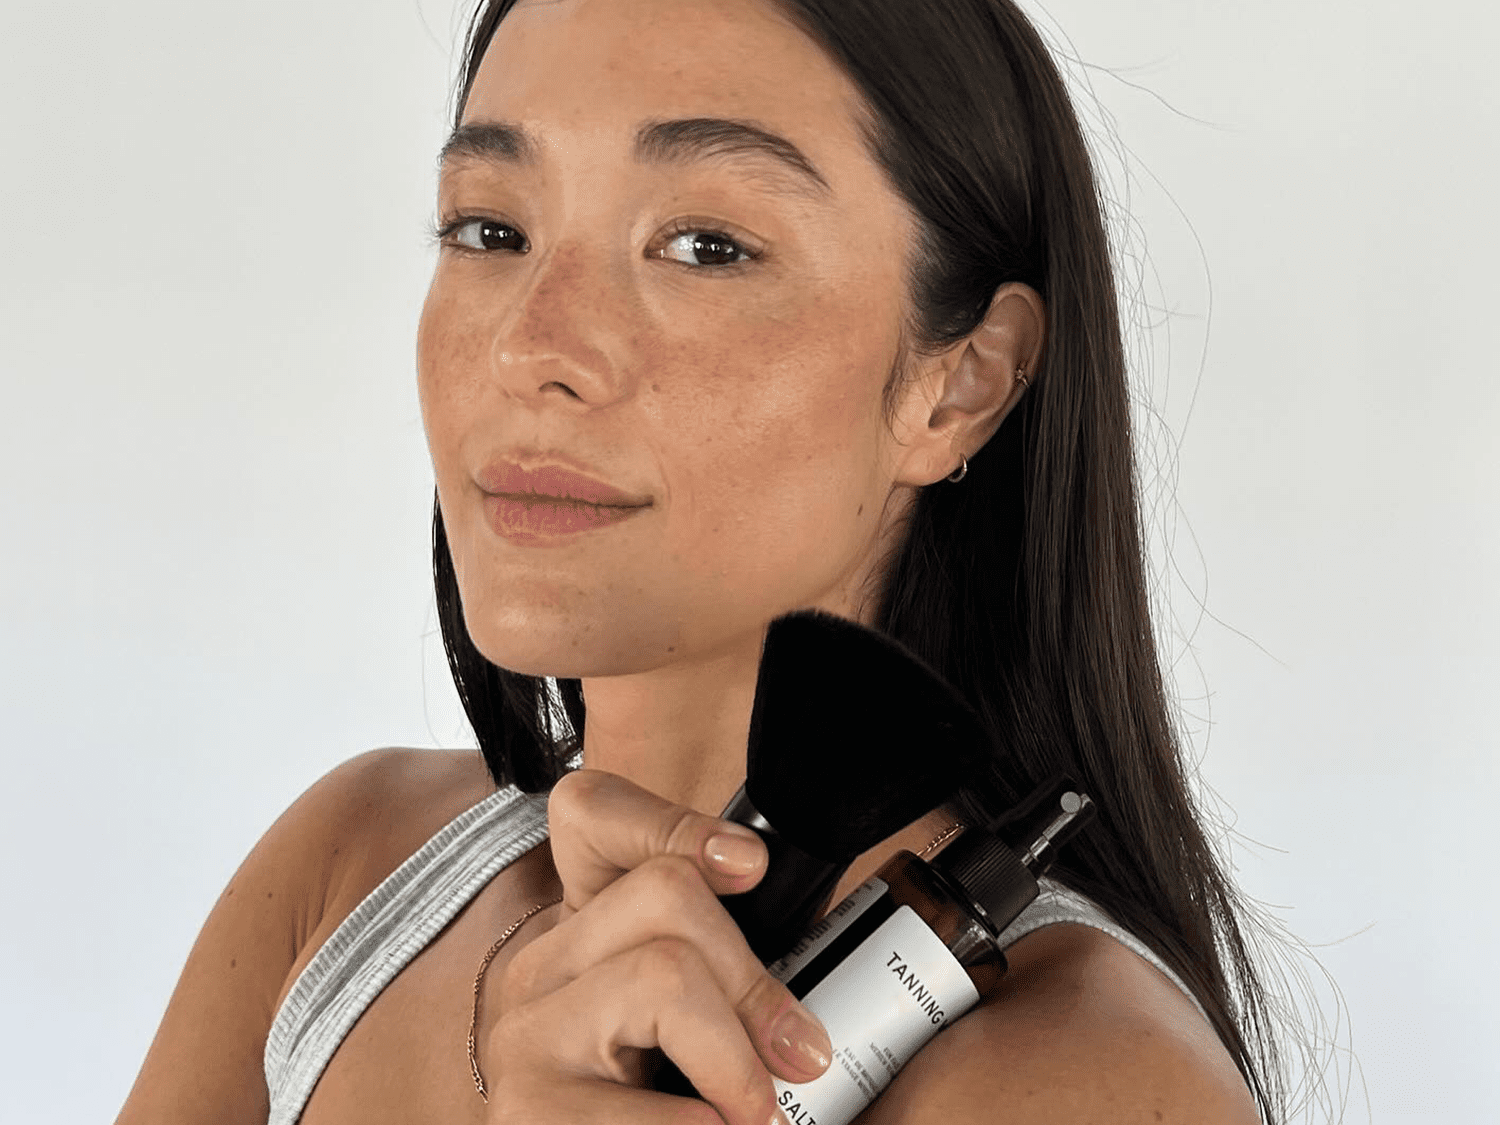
[915, 947]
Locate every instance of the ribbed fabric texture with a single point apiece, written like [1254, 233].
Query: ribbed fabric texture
[390, 927]
[399, 917]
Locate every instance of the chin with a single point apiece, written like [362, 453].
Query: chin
[564, 647]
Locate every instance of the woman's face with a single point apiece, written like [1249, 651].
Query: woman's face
[585, 322]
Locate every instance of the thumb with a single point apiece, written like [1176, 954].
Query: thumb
[603, 825]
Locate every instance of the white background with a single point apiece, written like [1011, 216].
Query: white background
[215, 494]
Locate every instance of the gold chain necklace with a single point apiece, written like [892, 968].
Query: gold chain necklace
[537, 909]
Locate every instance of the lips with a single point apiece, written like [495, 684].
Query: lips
[538, 520]
[548, 504]
[553, 482]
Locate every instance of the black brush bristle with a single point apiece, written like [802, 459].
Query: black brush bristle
[852, 735]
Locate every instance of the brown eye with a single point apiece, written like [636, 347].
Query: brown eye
[479, 235]
[710, 244]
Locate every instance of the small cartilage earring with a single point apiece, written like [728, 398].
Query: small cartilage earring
[1022, 378]
[959, 473]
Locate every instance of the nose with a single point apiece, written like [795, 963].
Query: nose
[565, 336]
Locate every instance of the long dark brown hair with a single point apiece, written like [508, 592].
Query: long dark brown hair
[1025, 584]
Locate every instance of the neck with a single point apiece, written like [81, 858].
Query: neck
[679, 731]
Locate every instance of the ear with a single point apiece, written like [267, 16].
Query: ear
[957, 402]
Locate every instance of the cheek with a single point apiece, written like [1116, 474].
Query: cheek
[775, 442]
[448, 347]
[452, 354]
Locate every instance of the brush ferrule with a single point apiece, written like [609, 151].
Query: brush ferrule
[775, 912]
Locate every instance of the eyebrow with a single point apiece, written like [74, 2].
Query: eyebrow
[657, 142]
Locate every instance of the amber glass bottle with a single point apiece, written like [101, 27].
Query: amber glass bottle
[914, 948]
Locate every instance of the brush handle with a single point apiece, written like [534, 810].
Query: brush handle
[775, 912]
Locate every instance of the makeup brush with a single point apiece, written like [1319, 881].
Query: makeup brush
[852, 738]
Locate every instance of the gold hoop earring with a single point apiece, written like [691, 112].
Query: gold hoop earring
[962, 471]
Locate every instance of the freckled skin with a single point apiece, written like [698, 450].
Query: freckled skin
[747, 406]
[745, 401]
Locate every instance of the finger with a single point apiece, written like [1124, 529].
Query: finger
[603, 825]
[660, 994]
[667, 899]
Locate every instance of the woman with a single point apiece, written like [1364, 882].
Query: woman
[741, 307]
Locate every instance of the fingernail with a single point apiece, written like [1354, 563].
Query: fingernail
[779, 1118]
[801, 1041]
[734, 854]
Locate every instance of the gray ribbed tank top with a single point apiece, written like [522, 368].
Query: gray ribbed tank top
[398, 918]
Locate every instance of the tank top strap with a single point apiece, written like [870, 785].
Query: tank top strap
[391, 926]
[1057, 903]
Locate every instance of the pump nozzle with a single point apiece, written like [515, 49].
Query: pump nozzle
[1051, 817]
[999, 866]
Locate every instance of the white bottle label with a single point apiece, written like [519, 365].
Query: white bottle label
[897, 990]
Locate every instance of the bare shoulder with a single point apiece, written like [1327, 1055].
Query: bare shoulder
[330, 847]
[379, 807]
[1082, 1030]
[356, 824]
